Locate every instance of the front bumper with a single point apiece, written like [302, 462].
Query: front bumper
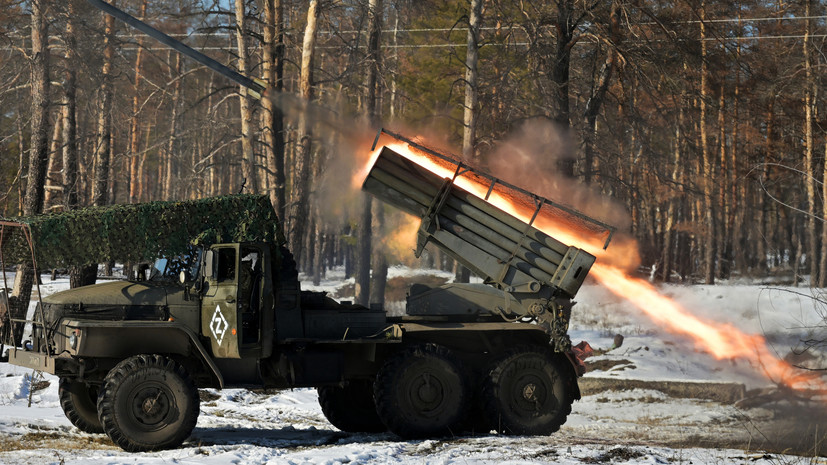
[34, 360]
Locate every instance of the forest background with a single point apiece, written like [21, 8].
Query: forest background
[704, 121]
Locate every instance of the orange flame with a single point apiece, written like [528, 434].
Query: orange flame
[722, 341]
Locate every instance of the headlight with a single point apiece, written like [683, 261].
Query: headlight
[73, 339]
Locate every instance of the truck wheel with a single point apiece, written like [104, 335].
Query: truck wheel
[527, 392]
[79, 403]
[351, 408]
[147, 403]
[421, 392]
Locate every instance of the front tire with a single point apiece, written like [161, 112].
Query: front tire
[351, 408]
[79, 403]
[148, 403]
[421, 392]
[528, 392]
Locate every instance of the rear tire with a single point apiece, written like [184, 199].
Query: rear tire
[148, 403]
[421, 392]
[351, 408]
[79, 403]
[528, 392]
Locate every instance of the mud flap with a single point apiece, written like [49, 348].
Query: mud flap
[576, 357]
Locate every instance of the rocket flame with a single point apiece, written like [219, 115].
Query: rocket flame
[722, 341]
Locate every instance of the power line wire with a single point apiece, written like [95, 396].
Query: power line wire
[455, 45]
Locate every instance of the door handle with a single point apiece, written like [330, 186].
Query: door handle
[230, 299]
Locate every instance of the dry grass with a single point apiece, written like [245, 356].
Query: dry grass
[624, 454]
[606, 365]
[55, 440]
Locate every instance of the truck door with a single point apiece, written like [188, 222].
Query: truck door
[219, 307]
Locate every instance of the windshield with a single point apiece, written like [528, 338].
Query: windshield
[168, 269]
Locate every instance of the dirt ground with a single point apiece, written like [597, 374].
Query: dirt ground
[796, 426]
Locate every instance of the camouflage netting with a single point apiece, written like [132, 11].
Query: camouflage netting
[141, 232]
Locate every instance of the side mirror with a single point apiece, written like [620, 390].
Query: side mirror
[209, 264]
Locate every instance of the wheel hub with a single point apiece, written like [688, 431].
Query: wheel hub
[528, 392]
[427, 391]
[151, 407]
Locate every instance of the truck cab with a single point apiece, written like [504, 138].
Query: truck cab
[235, 286]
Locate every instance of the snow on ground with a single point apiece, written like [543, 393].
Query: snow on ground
[637, 426]
[785, 316]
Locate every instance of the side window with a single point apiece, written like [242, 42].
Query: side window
[226, 265]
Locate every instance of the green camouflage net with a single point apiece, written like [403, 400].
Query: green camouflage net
[140, 232]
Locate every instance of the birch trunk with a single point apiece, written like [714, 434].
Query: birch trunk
[300, 195]
[70, 145]
[103, 145]
[245, 104]
[809, 152]
[171, 151]
[470, 109]
[52, 187]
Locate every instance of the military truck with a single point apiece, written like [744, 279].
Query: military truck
[131, 355]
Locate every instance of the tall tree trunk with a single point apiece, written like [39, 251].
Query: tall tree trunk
[245, 104]
[318, 247]
[470, 109]
[741, 202]
[22, 161]
[672, 209]
[365, 252]
[300, 194]
[52, 187]
[362, 253]
[70, 143]
[38, 157]
[809, 152]
[379, 263]
[103, 145]
[273, 118]
[722, 249]
[393, 101]
[135, 178]
[566, 25]
[599, 93]
[761, 221]
[822, 272]
[171, 151]
[706, 157]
